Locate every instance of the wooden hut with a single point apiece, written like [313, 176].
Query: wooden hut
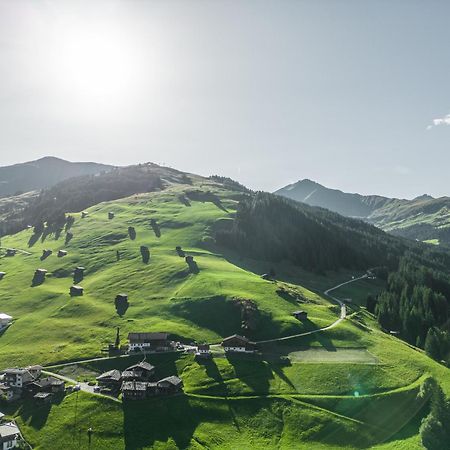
[300, 315]
[110, 215]
[76, 291]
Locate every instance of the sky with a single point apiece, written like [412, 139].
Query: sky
[352, 94]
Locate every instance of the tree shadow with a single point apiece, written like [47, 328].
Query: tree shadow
[33, 239]
[180, 252]
[145, 253]
[34, 414]
[183, 199]
[146, 422]
[252, 370]
[132, 233]
[45, 254]
[193, 267]
[208, 196]
[69, 237]
[121, 303]
[156, 228]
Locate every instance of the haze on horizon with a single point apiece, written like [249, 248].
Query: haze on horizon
[350, 94]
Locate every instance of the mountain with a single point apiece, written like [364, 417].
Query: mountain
[424, 218]
[324, 382]
[43, 173]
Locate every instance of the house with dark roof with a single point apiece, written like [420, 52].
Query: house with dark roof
[110, 379]
[237, 343]
[134, 390]
[203, 351]
[142, 371]
[10, 436]
[148, 342]
[169, 385]
[43, 397]
[17, 377]
[46, 385]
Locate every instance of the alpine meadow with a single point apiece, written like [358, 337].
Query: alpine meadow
[166, 283]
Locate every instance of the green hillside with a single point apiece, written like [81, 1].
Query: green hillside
[351, 386]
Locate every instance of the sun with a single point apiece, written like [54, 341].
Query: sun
[97, 64]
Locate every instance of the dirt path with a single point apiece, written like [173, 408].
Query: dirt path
[342, 315]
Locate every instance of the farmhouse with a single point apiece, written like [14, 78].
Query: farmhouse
[17, 377]
[139, 372]
[169, 385]
[5, 320]
[35, 370]
[134, 390]
[148, 342]
[203, 351]
[300, 315]
[62, 253]
[9, 435]
[238, 343]
[43, 397]
[46, 385]
[110, 379]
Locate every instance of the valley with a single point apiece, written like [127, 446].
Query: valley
[341, 379]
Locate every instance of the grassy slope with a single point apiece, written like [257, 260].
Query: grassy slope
[238, 403]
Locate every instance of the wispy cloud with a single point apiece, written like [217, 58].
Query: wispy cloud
[440, 121]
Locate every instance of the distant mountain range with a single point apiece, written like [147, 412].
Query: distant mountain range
[424, 218]
[43, 173]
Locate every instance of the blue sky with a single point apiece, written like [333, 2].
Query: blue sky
[352, 94]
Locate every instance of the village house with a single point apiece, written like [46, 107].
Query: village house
[17, 377]
[35, 370]
[5, 320]
[203, 351]
[139, 372]
[145, 342]
[43, 398]
[300, 315]
[238, 344]
[46, 385]
[170, 385]
[10, 436]
[110, 379]
[134, 390]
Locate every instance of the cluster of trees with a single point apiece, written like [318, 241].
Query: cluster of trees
[415, 303]
[434, 430]
[274, 228]
[80, 193]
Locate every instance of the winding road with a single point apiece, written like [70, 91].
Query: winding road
[342, 315]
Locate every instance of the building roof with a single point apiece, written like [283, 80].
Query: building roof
[43, 395]
[147, 337]
[143, 365]
[48, 381]
[173, 380]
[300, 312]
[34, 367]
[114, 375]
[203, 347]
[5, 316]
[16, 371]
[237, 337]
[9, 430]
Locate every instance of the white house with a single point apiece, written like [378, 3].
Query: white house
[9, 436]
[148, 342]
[5, 320]
[17, 377]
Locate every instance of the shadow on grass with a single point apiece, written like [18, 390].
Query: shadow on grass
[161, 420]
[34, 414]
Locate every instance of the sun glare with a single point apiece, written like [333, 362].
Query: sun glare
[97, 65]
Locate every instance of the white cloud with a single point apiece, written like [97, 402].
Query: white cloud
[440, 121]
